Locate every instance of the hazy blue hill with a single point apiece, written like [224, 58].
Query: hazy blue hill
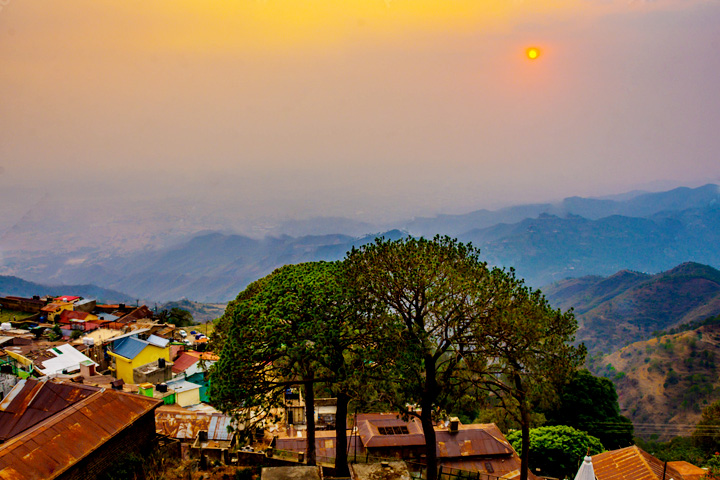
[585, 293]
[213, 267]
[545, 243]
[634, 204]
[628, 307]
[14, 286]
[550, 248]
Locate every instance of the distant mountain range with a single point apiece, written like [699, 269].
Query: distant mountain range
[644, 232]
[627, 307]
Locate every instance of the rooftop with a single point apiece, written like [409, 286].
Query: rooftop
[60, 440]
[631, 463]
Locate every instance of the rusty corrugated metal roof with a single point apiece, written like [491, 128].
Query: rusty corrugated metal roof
[631, 463]
[183, 362]
[325, 444]
[470, 440]
[49, 448]
[369, 426]
[180, 423]
[32, 401]
[506, 468]
[688, 470]
[218, 428]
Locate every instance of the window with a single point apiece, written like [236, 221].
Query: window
[399, 430]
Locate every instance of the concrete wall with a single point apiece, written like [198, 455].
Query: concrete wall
[152, 373]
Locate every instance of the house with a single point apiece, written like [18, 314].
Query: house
[187, 393]
[51, 310]
[634, 463]
[129, 353]
[216, 441]
[53, 430]
[64, 359]
[477, 448]
[76, 320]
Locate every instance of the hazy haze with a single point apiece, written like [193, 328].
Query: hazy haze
[239, 113]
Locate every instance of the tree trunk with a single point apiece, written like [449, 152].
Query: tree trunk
[341, 457]
[525, 429]
[310, 419]
[426, 403]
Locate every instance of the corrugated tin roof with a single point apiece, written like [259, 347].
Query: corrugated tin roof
[631, 463]
[369, 430]
[183, 362]
[32, 401]
[158, 341]
[218, 429]
[688, 470]
[185, 424]
[181, 385]
[49, 448]
[66, 357]
[325, 444]
[129, 347]
[470, 440]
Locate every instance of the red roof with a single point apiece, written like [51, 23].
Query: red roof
[54, 445]
[67, 315]
[67, 298]
[183, 362]
[631, 463]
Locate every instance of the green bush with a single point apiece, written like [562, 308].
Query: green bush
[557, 450]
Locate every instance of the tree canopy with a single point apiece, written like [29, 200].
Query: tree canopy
[293, 327]
[522, 354]
[424, 322]
[590, 403]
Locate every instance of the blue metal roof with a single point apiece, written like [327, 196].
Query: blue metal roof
[129, 347]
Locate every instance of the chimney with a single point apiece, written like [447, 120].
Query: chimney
[454, 425]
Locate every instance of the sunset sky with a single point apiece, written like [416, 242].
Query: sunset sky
[370, 109]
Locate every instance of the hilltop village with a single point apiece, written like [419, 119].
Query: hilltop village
[91, 390]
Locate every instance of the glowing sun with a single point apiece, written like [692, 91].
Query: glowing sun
[532, 53]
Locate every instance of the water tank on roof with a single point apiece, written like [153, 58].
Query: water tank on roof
[161, 387]
[161, 362]
[88, 341]
[5, 326]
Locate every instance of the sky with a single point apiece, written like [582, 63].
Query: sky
[368, 109]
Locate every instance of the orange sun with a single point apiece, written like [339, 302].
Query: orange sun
[532, 53]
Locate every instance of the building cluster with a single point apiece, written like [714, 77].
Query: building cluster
[83, 384]
[78, 377]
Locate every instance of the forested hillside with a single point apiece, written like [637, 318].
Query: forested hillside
[664, 383]
[627, 307]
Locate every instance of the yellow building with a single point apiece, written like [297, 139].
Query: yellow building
[130, 353]
[51, 310]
